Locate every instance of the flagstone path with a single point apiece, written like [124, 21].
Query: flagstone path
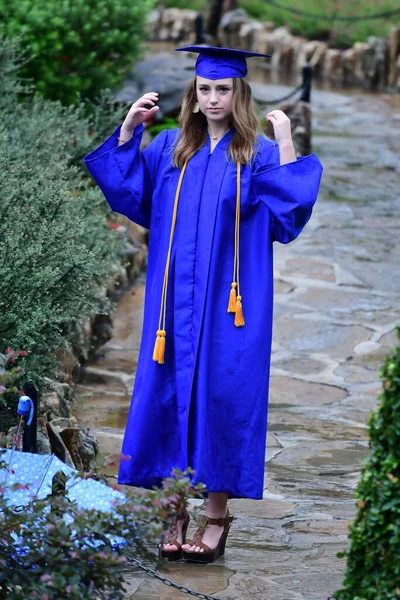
[337, 292]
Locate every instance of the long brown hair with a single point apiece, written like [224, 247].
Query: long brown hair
[193, 126]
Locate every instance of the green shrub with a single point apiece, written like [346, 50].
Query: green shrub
[339, 33]
[373, 556]
[60, 559]
[56, 247]
[78, 46]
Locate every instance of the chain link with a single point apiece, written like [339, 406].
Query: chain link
[170, 583]
[290, 95]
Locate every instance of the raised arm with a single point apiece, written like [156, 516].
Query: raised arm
[125, 175]
[286, 185]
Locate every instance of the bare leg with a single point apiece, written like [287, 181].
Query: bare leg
[216, 509]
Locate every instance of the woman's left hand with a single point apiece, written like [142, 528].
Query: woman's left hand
[281, 125]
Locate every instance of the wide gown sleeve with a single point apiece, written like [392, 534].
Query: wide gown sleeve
[289, 191]
[125, 175]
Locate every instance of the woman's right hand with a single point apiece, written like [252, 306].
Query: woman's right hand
[138, 113]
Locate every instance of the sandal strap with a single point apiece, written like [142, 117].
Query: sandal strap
[196, 541]
[174, 542]
[222, 522]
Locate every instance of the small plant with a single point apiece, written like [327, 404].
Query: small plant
[53, 549]
[373, 556]
[9, 371]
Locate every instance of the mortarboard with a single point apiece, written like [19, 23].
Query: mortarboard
[221, 63]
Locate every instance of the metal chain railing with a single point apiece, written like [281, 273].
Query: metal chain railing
[287, 97]
[334, 17]
[166, 581]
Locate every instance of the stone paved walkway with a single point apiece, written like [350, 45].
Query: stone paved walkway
[337, 297]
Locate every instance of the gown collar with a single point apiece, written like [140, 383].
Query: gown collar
[223, 143]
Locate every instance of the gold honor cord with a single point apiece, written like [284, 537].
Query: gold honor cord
[235, 301]
[159, 347]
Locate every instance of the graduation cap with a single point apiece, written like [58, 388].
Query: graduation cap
[221, 63]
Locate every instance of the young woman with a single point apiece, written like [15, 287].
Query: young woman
[215, 196]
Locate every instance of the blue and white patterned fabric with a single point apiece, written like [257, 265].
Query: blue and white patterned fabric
[37, 471]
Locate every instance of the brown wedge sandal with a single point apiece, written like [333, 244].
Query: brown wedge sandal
[173, 532]
[209, 556]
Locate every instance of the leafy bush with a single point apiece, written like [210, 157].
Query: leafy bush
[339, 33]
[78, 46]
[10, 372]
[56, 247]
[373, 557]
[59, 554]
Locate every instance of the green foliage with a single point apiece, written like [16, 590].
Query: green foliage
[60, 558]
[373, 557]
[78, 46]
[10, 372]
[167, 123]
[56, 247]
[339, 34]
[183, 4]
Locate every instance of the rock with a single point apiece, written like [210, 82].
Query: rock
[139, 233]
[332, 70]
[248, 34]
[397, 83]
[43, 441]
[394, 53]
[348, 65]
[263, 43]
[281, 40]
[82, 447]
[70, 438]
[82, 334]
[60, 424]
[229, 27]
[88, 448]
[313, 53]
[11, 436]
[153, 24]
[299, 114]
[53, 406]
[377, 63]
[360, 51]
[171, 24]
[68, 366]
[168, 73]
[58, 447]
[102, 328]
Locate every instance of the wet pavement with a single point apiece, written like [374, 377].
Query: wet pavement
[337, 292]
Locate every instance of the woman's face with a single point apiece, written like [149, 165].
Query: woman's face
[215, 98]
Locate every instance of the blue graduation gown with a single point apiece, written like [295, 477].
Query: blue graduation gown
[206, 406]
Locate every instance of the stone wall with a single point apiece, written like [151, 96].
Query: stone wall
[373, 65]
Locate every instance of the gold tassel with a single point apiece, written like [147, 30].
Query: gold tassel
[159, 347]
[239, 319]
[232, 298]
